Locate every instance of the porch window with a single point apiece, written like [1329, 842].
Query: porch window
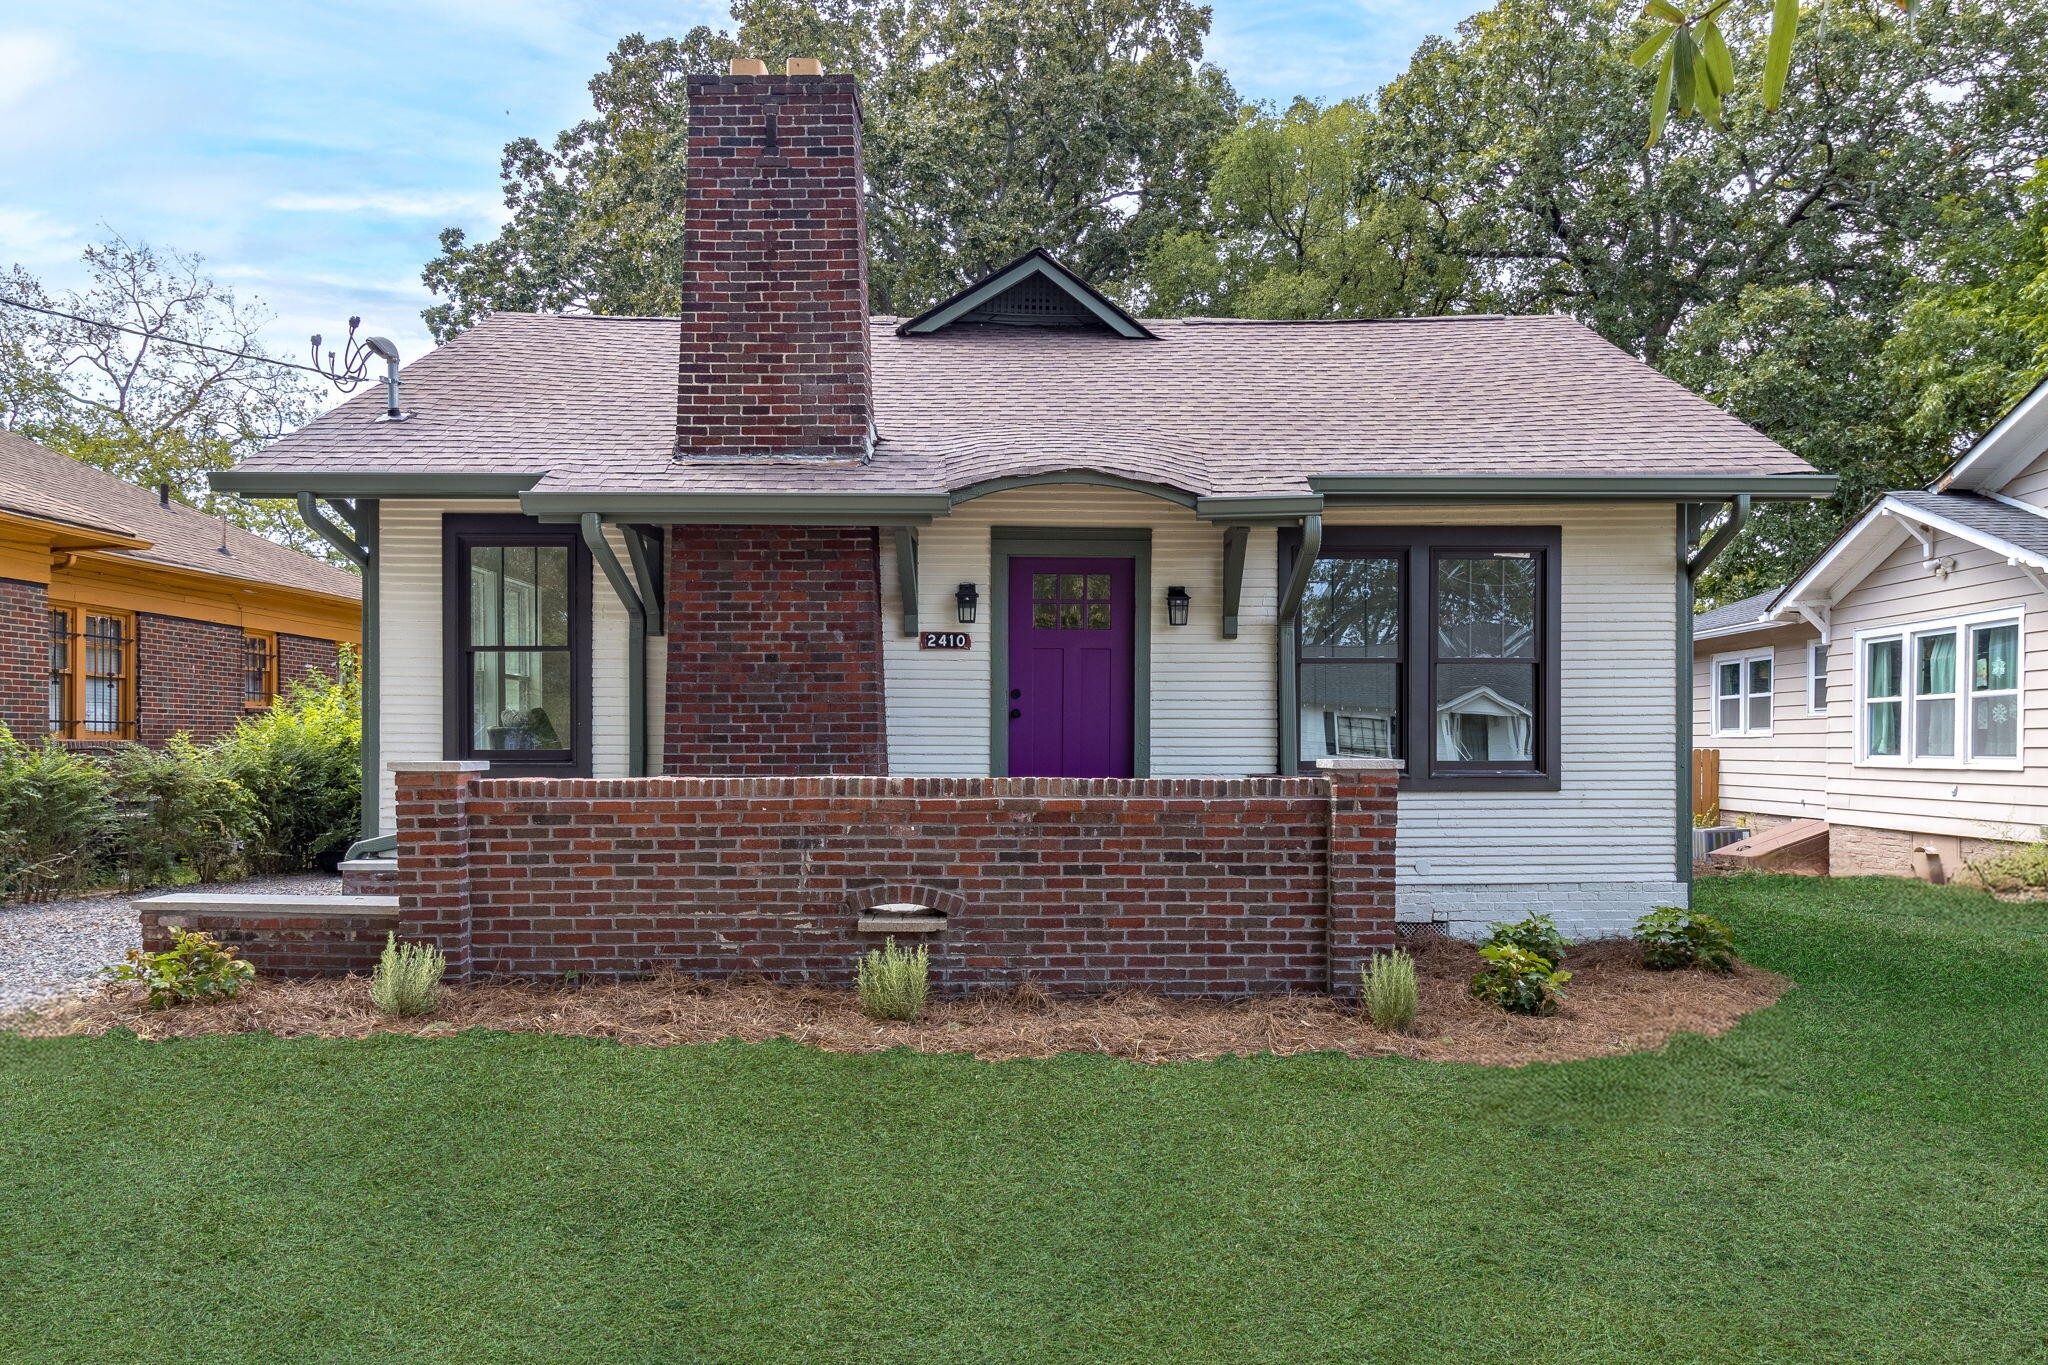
[518, 646]
[1434, 646]
[1817, 680]
[91, 687]
[259, 669]
[1743, 692]
[1944, 694]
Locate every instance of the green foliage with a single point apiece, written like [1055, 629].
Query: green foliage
[1532, 934]
[1390, 994]
[194, 968]
[1519, 981]
[177, 811]
[56, 814]
[892, 982]
[407, 980]
[1674, 938]
[2022, 868]
[302, 761]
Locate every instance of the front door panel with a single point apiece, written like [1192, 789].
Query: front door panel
[1071, 640]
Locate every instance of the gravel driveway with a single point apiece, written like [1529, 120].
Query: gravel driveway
[54, 949]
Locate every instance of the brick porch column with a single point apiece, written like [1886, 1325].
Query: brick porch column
[433, 856]
[1360, 909]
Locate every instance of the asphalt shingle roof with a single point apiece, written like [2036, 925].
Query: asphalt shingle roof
[39, 482]
[1209, 407]
[1733, 615]
[2020, 527]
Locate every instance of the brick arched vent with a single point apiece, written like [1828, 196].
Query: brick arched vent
[863, 900]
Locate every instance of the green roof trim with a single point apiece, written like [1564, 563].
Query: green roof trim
[741, 509]
[289, 483]
[1523, 487]
[1034, 262]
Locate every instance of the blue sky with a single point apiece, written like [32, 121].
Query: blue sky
[313, 151]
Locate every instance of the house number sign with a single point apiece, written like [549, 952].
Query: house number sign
[944, 639]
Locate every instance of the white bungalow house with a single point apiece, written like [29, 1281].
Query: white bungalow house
[1897, 690]
[1026, 534]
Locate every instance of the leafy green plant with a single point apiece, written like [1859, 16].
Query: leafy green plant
[408, 978]
[178, 816]
[1674, 938]
[892, 982]
[194, 968]
[2023, 867]
[301, 760]
[1534, 934]
[1390, 991]
[1519, 981]
[55, 818]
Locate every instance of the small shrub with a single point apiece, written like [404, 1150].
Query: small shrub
[301, 760]
[1390, 991]
[178, 815]
[55, 818]
[1533, 934]
[193, 968]
[1674, 938]
[2024, 868]
[1710, 818]
[408, 977]
[893, 981]
[1519, 981]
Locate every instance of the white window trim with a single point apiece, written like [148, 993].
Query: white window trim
[1817, 654]
[1769, 656]
[1909, 677]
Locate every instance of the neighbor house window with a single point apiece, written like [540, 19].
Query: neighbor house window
[91, 688]
[259, 669]
[518, 644]
[1742, 694]
[1817, 679]
[1437, 647]
[1944, 694]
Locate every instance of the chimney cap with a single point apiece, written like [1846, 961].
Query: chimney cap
[803, 66]
[747, 66]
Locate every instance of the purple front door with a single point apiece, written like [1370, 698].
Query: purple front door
[1071, 647]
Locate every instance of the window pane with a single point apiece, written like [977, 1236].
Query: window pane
[486, 580]
[1730, 719]
[1934, 727]
[1883, 729]
[1350, 708]
[551, 582]
[520, 700]
[1485, 713]
[1881, 668]
[1995, 658]
[1818, 662]
[1937, 664]
[1486, 607]
[1995, 726]
[1730, 684]
[1760, 711]
[1352, 610]
[105, 669]
[60, 666]
[1760, 676]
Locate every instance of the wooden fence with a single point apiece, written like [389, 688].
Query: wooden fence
[1706, 783]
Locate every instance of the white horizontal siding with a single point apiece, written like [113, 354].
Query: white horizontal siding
[2030, 484]
[1784, 772]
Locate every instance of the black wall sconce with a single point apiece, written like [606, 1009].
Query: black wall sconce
[1177, 606]
[965, 600]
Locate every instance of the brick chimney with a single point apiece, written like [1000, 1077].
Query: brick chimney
[775, 319]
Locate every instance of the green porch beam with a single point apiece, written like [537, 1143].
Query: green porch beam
[636, 658]
[1235, 539]
[906, 575]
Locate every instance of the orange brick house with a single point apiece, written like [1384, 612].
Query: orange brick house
[126, 615]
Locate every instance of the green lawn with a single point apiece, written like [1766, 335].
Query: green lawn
[1856, 1174]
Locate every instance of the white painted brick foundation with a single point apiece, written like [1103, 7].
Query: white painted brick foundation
[1582, 910]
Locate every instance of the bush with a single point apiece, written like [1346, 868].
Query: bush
[1534, 934]
[193, 968]
[178, 816]
[55, 818]
[1519, 981]
[892, 981]
[1390, 991]
[2023, 868]
[1674, 938]
[301, 760]
[408, 977]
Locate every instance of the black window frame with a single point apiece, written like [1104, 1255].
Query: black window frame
[1417, 549]
[459, 535]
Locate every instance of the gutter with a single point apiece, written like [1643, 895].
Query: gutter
[1486, 487]
[636, 658]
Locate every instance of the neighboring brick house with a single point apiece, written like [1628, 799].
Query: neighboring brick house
[126, 615]
[1021, 561]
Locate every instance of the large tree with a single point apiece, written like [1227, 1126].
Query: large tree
[1081, 126]
[152, 372]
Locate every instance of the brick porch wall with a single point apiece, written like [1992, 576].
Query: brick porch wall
[188, 677]
[24, 658]
[299, 656]
[283, 945]
[774, 651]
[1190, 887]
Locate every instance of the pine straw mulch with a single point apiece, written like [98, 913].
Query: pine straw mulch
[1613, 1006]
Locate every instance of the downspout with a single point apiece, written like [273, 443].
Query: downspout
[636, 660]
[1692, 564]
[361, 549]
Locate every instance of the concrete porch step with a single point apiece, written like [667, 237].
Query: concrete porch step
[254, 906]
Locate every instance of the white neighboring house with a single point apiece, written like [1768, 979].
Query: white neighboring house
[1898, 688]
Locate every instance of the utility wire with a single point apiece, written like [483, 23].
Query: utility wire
[164, 340]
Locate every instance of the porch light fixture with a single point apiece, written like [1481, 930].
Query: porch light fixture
[965, 600]
[1177, 606]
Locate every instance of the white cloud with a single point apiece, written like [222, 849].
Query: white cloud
[29, 61]
[31, 237]
[396, 204]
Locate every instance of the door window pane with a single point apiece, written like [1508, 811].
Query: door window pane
[1485, 713]
[1486, 607]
